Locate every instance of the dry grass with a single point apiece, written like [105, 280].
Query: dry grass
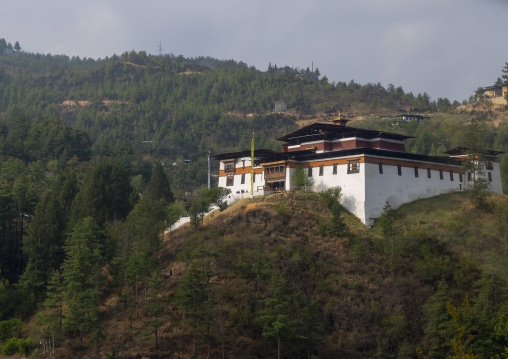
[346, 275]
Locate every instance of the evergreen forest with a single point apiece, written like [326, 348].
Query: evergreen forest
[99, 157]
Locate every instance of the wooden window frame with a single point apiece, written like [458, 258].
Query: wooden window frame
[461, 177]
[489, 165]
[489, 175]
[429, 173]
[451, 175]
[321, 170]
[230, 180]
[399, 170]
[243, 179]
[353, 166]
[335, 165]
[416, 172]
[229, 166]
[309, 171]
[441, 175]
[380, 168]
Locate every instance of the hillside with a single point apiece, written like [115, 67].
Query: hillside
[139, 107]
[99, 157]
[360, 295]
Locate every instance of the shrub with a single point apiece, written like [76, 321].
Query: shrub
[10, 347]
[17, 346]
[9, 328]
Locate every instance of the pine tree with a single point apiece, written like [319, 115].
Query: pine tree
[474, 136]
[155, 308]
[275, 318]
[50, 318]
[299, 179]
[83, 278]
[104, 194]
[439, 327]
[192, 298]
[158, 186]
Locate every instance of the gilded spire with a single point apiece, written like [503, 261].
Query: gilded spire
[340, 121]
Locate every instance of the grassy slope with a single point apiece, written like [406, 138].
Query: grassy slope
[367, 297]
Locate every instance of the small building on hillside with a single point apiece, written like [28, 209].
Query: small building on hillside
[399, 119]
[495, 91]
[372, 168]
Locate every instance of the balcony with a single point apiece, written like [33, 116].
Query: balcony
[275, 174]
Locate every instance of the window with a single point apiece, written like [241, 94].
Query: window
[309, 171]
[334, 168]
[229, 180]
[461, 179]
[353, 166]
[253, 178]
[416, 171]
[229, 166]
[469, 176]
[243, 163]
[489, 165]
[380, 168]
[429, 173]
[441, 174]
[321, 170]
[243, 178]
[399, 170]
[490, 176]
[451, 176]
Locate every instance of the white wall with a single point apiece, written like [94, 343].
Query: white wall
[496, 185]
[353, 185]
[237, 187]
[395, 190]
[366, 193]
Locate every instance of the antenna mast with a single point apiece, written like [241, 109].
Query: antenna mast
[160, 48]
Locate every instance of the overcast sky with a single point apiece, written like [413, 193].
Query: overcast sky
[447, 48]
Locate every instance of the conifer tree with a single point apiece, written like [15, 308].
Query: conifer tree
[300, 180]
[50, 319]
[192, 298]
[474, 141]
[43, 244]
[104, 194]
[275, 318]
[158, 186]
[439, 328]
[155, 308]
[83, 278]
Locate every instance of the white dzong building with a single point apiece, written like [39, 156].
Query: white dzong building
[372, 168]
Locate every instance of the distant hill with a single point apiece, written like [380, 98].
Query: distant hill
[170, 107]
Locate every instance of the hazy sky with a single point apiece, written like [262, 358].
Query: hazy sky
[447, 48]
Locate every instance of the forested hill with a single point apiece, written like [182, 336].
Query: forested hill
[94, 166]
[169, 107]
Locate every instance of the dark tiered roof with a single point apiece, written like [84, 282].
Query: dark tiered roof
[459, 151]
[325, 131]
[260, 153]
[311, 155]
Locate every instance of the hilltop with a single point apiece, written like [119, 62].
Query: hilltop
[356, 295]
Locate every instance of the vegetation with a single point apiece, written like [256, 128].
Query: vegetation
[99, 157]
